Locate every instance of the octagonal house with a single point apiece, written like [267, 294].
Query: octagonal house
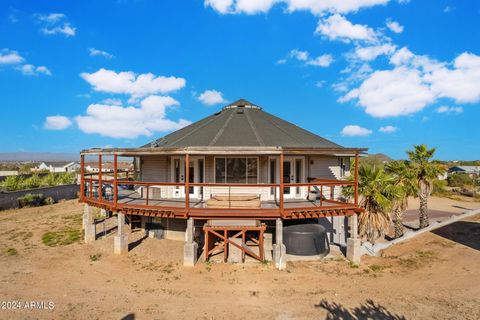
[228, 182]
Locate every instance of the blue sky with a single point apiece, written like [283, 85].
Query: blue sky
[364, 73]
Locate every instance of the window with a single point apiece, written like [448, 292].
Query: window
[236, 170]
[343, 167]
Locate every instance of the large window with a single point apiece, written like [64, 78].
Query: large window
[236, 170]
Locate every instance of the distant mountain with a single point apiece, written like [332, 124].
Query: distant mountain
[38, 156]
[376, 158]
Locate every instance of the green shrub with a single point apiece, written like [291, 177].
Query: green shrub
[11, 183]
[49, 201]
[439, 187]
[31, 200]
[32, 182]
[459, 180]
[14, 183]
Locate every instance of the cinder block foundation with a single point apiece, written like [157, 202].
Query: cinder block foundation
[120, 244]
[354, 251]
[190, 254]
[90, 233]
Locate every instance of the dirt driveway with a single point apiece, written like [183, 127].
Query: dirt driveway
[435, 276]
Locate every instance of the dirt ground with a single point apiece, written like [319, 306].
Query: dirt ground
[434, 276]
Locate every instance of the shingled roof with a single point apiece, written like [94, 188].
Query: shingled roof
[242, 123]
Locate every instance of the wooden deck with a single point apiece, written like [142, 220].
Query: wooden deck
[130, 197]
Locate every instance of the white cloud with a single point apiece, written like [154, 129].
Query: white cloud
[460, 83]
[57, 123]
[51, 18]
[417, 81]
[131, 83]
[324, 60]
[112, 101]
[65, 29]
[96, 52]
[31, 70]
[396, 92]
[55, 23]
[299, 55]
[448, 9]
[10, 57]
[337, 27]
[394, 26]
[388, 129]
[211, 97]
[316, 7]
[355, 130]
[448, 110]
[130, 122]
[372, 52]
[320, 84]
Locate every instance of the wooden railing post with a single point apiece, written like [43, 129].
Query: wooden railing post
[321, 195]
[115, 187]
[281, 184]
[82, 181]
[148, 192]
[187, 187]
[100, 177]
[91, 187]
[356, 179]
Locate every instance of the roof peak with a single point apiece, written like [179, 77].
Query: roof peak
[241, 103]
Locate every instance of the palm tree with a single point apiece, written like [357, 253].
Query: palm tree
[377, 192]
[425, 172]
[404, 178]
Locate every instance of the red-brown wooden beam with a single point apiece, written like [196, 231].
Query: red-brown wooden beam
[187, 187]
[82, 181]
[100, 176]
[356, 179]
[281, 183]
[115, 186]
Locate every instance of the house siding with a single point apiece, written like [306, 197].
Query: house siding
[157, 168]
[328, 167]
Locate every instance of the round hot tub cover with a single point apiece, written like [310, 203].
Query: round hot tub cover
[305, 239]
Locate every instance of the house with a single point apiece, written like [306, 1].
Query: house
[57, 167]
[94, 167]
[239, 171]
[470, 170]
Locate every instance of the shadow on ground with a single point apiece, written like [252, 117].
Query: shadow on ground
[367, 310]
[463, 232]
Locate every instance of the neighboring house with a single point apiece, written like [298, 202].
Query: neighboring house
[58, 167]
[8, 173]
[108, 167]
[240, 164]
[470, 170]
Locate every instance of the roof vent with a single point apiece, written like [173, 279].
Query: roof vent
[242, 103]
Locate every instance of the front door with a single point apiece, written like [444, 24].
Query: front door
[293, 172]
[195, 175]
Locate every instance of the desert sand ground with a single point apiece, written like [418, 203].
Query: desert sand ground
[434, 276]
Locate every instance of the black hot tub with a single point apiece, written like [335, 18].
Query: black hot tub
[305, 239]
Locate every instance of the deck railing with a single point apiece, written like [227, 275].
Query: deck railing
[116, 191]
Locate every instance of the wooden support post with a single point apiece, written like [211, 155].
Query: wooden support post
[321, 195]
[100, 177]
[82, 181]
[281, 184]
[91, 187]
[356, 179]
[115, 187]
[187, 187]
